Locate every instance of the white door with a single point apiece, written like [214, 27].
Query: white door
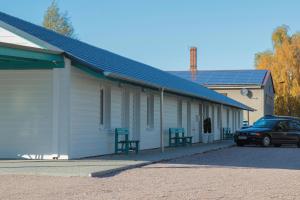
[26, 113]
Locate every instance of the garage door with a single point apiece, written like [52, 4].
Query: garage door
[25, 113]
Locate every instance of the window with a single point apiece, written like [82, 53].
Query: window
[206, 111]
[227, 116]
[125, 108]
[282, 125]
[233, 120]
[200, 118]
[213, 118]
[104, 104]
[179, 114]
[150, 111]
[239, 119]
[265, 123]
[294, 125]
[219, 117]
[188, 112]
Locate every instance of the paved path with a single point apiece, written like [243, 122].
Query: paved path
[99, 166]
[232, 173]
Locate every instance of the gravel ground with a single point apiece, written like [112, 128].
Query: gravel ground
[234, 173]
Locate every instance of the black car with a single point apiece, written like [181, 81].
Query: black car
[270, 131]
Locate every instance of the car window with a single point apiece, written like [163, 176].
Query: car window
[298, 125]
[282, 125]
[294, 125]
[265, 123]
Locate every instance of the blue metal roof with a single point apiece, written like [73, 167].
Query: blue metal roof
[225, 77]
[122, 67]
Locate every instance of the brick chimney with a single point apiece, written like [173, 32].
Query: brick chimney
[193, 61]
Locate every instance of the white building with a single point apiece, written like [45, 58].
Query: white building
[62, 98]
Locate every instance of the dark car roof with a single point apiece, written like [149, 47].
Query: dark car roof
[279, 117]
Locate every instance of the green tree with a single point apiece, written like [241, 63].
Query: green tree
[57, 21]
[284, 63]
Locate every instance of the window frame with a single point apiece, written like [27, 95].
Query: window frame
[179, 113]
[101, 106]
[105, 107]
[125, 110]
[293, 125]
[150, 111]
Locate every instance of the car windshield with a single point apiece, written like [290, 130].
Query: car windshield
[265, 123]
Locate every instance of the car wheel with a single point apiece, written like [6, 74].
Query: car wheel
[277, 145]
[240, 144]
[266, 141]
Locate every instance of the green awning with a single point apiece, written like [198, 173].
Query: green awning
[19, 57]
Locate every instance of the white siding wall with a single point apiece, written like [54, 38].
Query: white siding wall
[88, 139]
[26, 113]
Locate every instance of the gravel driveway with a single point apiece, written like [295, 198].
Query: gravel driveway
[234, 173]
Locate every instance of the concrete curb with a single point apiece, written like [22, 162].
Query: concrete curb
[111, 172]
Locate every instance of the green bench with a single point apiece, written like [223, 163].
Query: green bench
[122, 142]
[227, 133]
[177, 137]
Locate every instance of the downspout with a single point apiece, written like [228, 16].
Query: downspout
[162, 120]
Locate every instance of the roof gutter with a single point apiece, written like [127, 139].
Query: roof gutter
[117, 76]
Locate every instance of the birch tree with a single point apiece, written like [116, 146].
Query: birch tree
[58, 21]
[284, 63]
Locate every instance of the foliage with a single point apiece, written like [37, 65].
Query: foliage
[57, 21]
[284, 63]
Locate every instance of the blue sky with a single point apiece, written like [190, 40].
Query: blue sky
[160, 32]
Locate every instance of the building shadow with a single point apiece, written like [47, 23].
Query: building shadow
[286, 157]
